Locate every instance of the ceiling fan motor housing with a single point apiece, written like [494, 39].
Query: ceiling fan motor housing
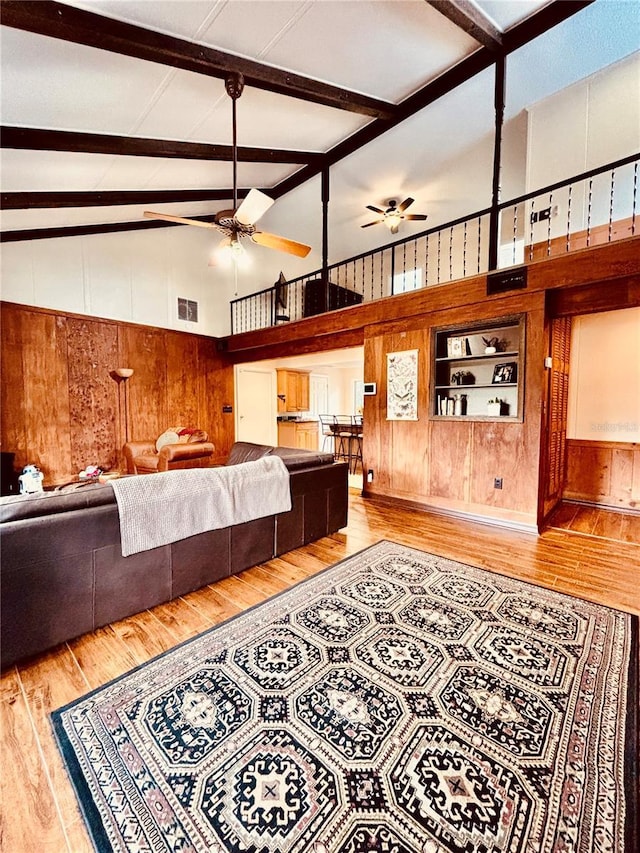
[234, 84]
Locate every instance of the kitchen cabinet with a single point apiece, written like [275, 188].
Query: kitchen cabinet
[300, 434]
[293, 390]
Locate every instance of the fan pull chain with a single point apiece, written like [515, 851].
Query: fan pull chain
[589, 212]
[549, 226]
[451, 253]
[438, 279]
[479, 241]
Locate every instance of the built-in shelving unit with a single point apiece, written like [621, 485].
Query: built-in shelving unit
[476, 365]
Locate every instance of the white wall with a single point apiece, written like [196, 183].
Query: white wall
[593, 122]
[135, 276]
[604, 377]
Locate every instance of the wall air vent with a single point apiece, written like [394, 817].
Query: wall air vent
[187, 310]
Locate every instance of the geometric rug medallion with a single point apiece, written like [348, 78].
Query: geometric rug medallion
[398, 702]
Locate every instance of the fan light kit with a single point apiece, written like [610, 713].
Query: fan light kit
[239, 222]
[394, 214]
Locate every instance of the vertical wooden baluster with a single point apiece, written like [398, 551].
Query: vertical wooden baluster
[533, 204]
[426, 261]
[611, 194]
[464, 251]
[404, 261]
[568, 243]
[371, 260]
[635, 189]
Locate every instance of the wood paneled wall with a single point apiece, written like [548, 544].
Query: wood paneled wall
[603, 472]
[60, 405]
[451, 465]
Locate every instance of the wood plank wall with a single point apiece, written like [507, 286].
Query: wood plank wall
[603, 472]
[60, 405]
[451, 465]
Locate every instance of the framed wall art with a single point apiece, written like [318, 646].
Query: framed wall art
[402, 385]
[505, 372]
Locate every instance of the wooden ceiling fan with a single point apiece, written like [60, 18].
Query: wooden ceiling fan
[240, 222]
[394, 214]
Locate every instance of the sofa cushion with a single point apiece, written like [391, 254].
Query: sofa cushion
[295, 458]
[246, 451]
[78, 496]
[169, 436]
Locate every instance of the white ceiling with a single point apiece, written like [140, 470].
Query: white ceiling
[386, 49]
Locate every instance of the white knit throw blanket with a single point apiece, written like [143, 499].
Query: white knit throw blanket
[156, 509]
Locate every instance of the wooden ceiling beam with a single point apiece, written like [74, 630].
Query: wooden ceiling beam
[83, 230]
[58, 20]
[549, 16]
[111, 198]
[517, 36]
[41, 139]
[470, 19]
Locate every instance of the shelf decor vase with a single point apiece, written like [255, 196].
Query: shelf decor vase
[494, 409]
[489, 350]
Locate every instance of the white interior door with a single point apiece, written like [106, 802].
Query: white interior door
[256, 409]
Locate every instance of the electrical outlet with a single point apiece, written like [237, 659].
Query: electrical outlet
[544, 214]
[497, 483]
[370, 475]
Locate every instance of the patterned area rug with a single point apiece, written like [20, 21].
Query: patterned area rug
[397, 702]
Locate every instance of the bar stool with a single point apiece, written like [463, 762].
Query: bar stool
[356, 438]
[342, 435]
[328, 434]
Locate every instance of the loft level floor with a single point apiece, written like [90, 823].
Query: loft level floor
[38, 808]
[592, 520]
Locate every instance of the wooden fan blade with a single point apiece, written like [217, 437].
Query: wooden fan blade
[272, 241]
[405, 204]
[177, 219]
[252, 208]
[421, 216]
[375, 209]
[375, 222]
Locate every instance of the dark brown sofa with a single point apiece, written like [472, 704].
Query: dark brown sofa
[63, 573]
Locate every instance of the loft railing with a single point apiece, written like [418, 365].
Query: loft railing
[588, 209]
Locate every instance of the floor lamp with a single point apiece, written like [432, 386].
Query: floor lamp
[122, 376]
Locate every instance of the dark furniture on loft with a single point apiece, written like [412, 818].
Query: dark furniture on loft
[63, 573]
[321, 296]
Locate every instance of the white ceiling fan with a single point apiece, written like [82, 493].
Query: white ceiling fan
[240, 222]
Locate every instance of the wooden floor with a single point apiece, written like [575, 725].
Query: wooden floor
[39, 811]
[591, 520]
